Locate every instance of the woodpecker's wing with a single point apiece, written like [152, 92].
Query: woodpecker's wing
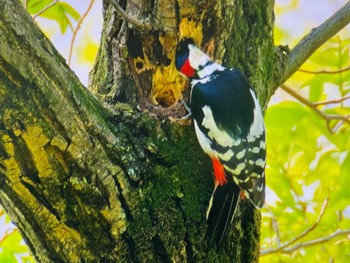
[228, 113]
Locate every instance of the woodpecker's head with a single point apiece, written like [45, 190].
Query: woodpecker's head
[190, 59]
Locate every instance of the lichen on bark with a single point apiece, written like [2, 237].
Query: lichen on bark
[120, 181]
[237, 34]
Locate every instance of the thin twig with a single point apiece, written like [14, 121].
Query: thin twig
[312, 41]
[80, 22]
[138, 24]
[45, 8]
[325, 71]
[8, 233]
[276, 229]
[275, 226]
[341, 119]
[285, 246]
[338, 232]
[326, 102]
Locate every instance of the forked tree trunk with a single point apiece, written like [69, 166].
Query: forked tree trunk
[127, 184]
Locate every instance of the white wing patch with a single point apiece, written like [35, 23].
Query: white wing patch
[221, 137]
[204, 142]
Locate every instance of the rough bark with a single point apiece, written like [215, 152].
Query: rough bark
[127, 184]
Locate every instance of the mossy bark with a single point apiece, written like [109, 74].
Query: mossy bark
[129, 183]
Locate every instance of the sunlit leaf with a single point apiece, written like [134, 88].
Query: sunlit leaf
[61, 12]
[34, 6]
[8, 257]
[307, 163]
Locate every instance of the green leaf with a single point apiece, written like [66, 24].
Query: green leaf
[11, 246]
[61, 12]
[8, 257]
[34, 6]
[284, 115]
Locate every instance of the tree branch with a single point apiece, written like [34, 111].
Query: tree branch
[284, 247]
[325, 71]
[288, 250]
[8, 233]
[317, 37]
[341, 119]
[138, 24]
[326, 102]
[276, 229]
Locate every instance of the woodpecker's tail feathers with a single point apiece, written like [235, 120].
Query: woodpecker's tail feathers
[257, 197]
[222, 208]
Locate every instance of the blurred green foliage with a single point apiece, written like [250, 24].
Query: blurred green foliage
[12, 247]
[309, 163]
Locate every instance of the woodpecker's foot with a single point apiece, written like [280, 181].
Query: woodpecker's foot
[186, 117]
[188, 109]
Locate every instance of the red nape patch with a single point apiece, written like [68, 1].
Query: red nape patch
[187, 69]
[219, 172]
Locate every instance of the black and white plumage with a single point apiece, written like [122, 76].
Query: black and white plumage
[230, 129]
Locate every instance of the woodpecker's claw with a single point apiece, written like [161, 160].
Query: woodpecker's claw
[186, 117]
[188, 109]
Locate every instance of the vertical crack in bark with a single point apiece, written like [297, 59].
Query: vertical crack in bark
[122, 201]
[132, 247]
[41, 198]
[24, 158]
[103, 188]
[251, 233]
[152, 5]
[177, 14]
[160, 249]
[45, 110]
[188, 246]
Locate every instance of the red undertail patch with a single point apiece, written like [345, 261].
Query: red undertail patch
[219, 172]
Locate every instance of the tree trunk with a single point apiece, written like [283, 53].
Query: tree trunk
[127, 184]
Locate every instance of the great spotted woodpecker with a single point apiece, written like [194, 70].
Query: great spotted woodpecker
[230, 129]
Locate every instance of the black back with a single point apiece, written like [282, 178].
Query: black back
[228, 95]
